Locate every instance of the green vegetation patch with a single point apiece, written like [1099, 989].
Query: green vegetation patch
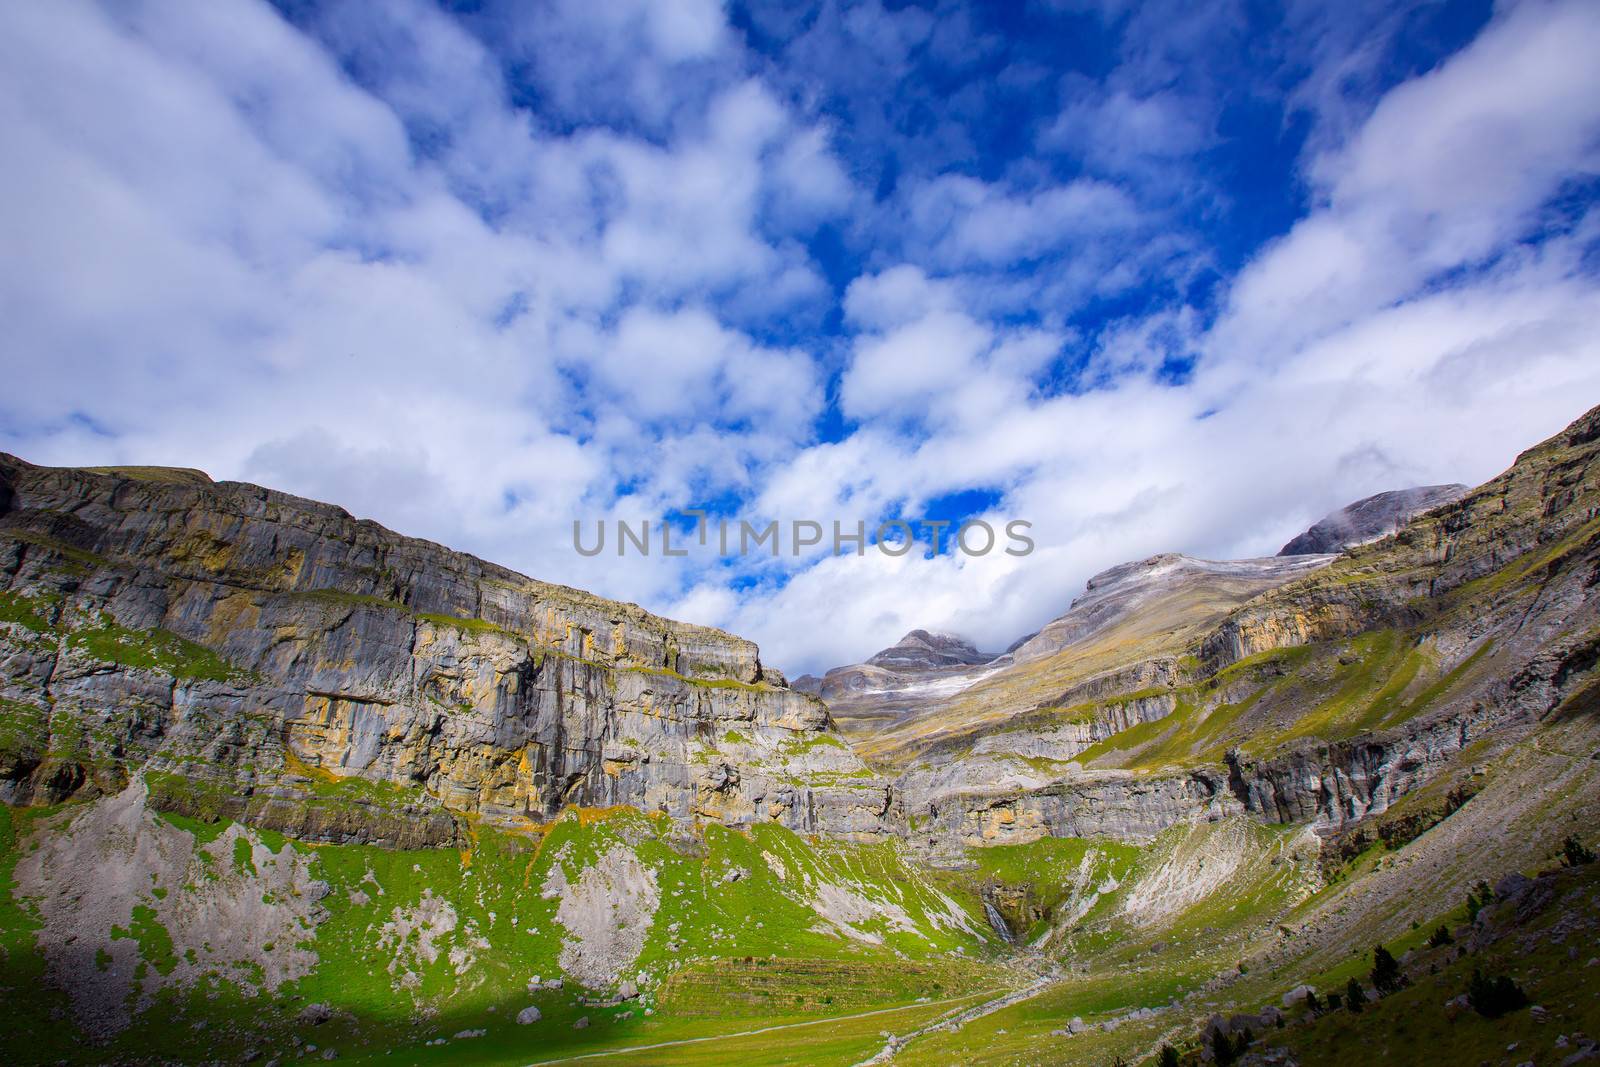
[155, 944]
[73, 560]
[24, 728]
[340, 598]
[155, 650]
[30, 612]
[471, 626]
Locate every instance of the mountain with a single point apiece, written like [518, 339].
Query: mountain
[280, 783]
[319, 645]
[899, 679]
[1370, 518]
[921, 651]
[1152, 606]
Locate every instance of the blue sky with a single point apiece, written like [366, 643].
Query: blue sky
[1154, 277]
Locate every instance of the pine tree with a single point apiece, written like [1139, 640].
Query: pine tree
[1385, 976]
[1169, 1056]
[1478, 898]
[1354, 996]
[1441, 937]
[1222, 1051]
[1573, 852]
[1494, 997]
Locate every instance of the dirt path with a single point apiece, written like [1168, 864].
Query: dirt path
[953, 1022]
[750, 1033]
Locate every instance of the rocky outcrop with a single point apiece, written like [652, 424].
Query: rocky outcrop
[1043, 738]
[807, 683]
[1335, 785]
[1114, 804]
[919, 664]
[260, 656]
[1371, 518]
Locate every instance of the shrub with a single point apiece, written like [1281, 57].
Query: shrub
[1168, 1057]
[1494, 997]
[1354, 996]
[1573, 852]
[1386, 976]
[1477, 899]
[1441, 937]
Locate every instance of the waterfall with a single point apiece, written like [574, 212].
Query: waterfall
[998, 921]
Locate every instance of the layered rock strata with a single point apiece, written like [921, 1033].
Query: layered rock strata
[265, 657]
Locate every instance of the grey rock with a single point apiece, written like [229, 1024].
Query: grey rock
[1297, 995]
[528, 1015]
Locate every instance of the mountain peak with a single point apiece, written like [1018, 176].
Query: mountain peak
[926, 650]
[1370, 518]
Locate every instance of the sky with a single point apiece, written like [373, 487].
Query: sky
[1152, 277]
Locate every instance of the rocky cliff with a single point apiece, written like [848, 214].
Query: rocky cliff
[263, 657]
[266, 658]
[1339, 687]
[899, 680]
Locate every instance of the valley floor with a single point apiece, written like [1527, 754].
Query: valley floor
[1163, 948]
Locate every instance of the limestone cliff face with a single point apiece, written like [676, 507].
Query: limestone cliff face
[1114, 804]
[268, 657]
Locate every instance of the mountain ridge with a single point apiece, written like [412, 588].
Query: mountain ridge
[425, 788]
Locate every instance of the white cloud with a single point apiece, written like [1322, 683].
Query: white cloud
[1450, 168]
[969, 222]
[685, 364]
[1121, 133]
[914, 364]
[1343, 366]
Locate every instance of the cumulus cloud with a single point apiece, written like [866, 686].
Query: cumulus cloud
[1449, 169]
[477, 275]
